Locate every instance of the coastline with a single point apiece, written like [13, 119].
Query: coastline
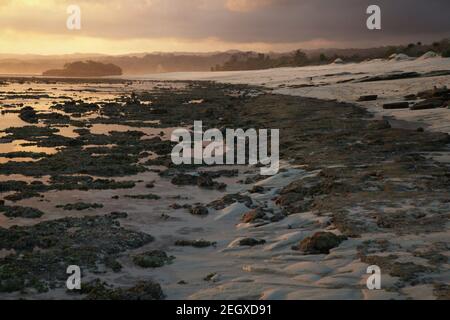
[345, 173]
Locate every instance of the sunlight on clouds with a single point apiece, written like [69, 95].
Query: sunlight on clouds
[29, 42]
[119, 26]
[246, 5]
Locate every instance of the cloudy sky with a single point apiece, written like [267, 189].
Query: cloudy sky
[125, 26]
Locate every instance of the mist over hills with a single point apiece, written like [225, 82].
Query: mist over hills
[158, 62]
[133, 64]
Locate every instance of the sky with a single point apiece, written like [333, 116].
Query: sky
[133, 26]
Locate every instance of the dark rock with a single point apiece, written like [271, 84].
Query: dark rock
[230, 199]
[368, 98]
[21, 212]
[379, 125]
[396, 105]
[80, 206]
[320, 243]
[436, 92]
[257, 189]
[391, 76]
[410, 97]
[143, 290]
[144, 197]
[152, 259]
[28, 114]
[253, 215]
[194, 243]
[431, 103]
[184, 180]
[251, 242]
[210, 276]
[199, 211]
[22, 195]
[119, 215]
[203, 181]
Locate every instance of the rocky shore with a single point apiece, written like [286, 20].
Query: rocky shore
[98, 190]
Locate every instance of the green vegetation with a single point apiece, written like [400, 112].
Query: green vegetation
[85, 69]
[298, 58]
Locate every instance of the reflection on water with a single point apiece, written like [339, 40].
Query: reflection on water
[23, 145]
[8, 120]
[41, 96]
[164, 133]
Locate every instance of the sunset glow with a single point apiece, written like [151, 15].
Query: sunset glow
[119, 26]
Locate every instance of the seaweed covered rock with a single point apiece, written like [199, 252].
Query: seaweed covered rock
[149, 196]
[202, 181]
[21, 212]
[143, 290]
[194, 243]
[229, 199]
[28, 114]
[250, 242]
[89, 242]
[80, 206]
[152, 259]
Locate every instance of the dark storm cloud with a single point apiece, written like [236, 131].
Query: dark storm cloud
[297, 20]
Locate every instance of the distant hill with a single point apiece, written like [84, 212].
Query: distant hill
[158, 62]
[131, 64]
[167, 62]
[85, 69]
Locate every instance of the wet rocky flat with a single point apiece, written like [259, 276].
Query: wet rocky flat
[87, 180]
